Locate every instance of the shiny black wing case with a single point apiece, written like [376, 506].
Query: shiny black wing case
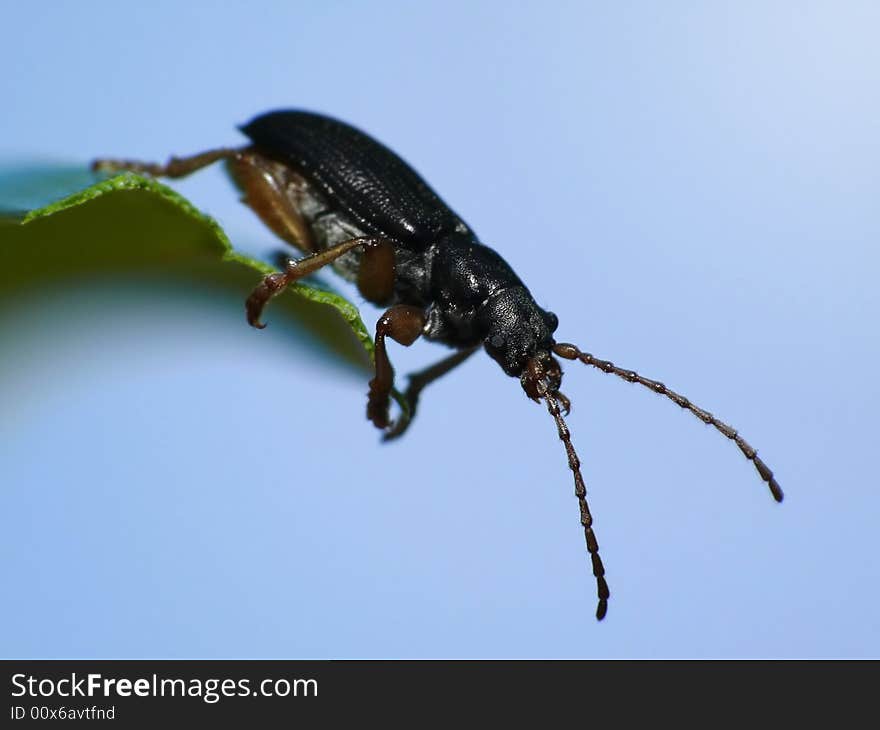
[357, 175]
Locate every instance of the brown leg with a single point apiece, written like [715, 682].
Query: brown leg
[274, 284]
[403, 323]
[419, 381]
[265, 183]
[175, 167]
[269, 189]
[377, 271]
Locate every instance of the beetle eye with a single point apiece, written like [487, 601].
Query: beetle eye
[552, 321]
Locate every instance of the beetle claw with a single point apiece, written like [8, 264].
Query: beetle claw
[564, 402]
[264, 291]
[398, 427]
[395, 430]
[254, 309]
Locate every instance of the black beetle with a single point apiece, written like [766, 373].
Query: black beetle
[343, 198]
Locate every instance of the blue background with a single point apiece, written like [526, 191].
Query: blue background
[691, 187]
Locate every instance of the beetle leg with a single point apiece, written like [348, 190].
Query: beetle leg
[376, 256]
[175, 167]
[377, 271]
[403, 323]
[419, 381]
[266, 185]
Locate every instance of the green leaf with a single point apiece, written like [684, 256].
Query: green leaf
[129, 226]
[58, 225]
[132, 226]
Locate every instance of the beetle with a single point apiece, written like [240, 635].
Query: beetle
[344, 199]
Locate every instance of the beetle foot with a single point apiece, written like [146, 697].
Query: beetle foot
[377, 404]
[399, 427]
[407, 413]
[269, 287]
[564, 402]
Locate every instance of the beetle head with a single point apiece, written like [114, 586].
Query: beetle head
[518, 329]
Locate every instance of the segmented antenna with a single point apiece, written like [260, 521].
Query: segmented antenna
[580, 491]
[571, 352]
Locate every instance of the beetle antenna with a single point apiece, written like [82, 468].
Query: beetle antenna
[580, 491]
[571, 352]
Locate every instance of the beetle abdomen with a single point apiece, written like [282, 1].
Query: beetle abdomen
[381, 193]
